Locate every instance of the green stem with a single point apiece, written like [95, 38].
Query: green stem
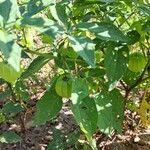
[14, 99]
[92, 142]
[24, 35]
[12, 92]
[33, 52]
[42, 48]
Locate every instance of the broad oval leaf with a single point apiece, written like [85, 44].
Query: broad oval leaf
[110, 107]
[10, 49]
[8, 73]
[133, 36]
[9, 137]
[21, 90]
[58, 141]
[33, 68]
[93, 72]
[8, 11]
[106, 1]
[48, 106]
[146, 26]
[35, 6]
[84, 47]
[131, 77]
[86, 115]
[5, 94]
[115, 63]
[79, 90]
[11, 107]
[2, 118]
[59, 13]
[103, 30]
[43, 25]
[145, 9]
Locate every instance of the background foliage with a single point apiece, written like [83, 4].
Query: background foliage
[92, 41]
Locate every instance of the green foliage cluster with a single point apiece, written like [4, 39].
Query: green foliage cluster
[92, 41]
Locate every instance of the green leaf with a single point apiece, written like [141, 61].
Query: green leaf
[24, 55]
[35, 6]
[21, 90]
[83, 107]
[104, 31]
[131, 77]
[79, 90]
[10, 49]
[2, 117]
[52, 30]
[8, 73]
[8, 12]
[106, 1]
[48, 106]
[2, 81]
[88, 2]
[133, 36]
[59, 13]
[33, 22]
[36, 65]
[128, 2]
[86, 147]
[11, 107]
[84, 47]
[69, 52]
[110, 109]
[85, 113]
[132, 105]
[73, 137]
[103, 1]
[4, 95]
[58, 141]
[9, 137]
[59, 62]
[94, 72]
[115, 63]
[145, 9]
[146, 26]
[43, 25]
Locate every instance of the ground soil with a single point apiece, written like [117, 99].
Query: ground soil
[38, 138]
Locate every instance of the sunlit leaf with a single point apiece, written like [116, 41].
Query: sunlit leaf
[115, 63]
[84, 47]
[59, 13]
[110, 109]
[43, 25]
[10, 49]
[8, 73]
[8, 12]
[85, 113]
[104, 31]
[79, 90]
[35, 6]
